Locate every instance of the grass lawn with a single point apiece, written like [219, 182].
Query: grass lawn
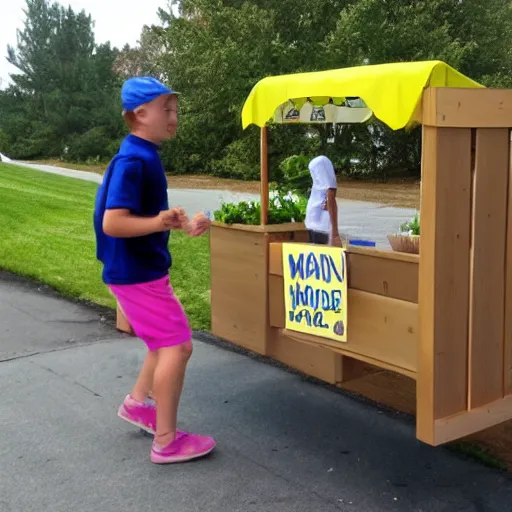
[47, 235]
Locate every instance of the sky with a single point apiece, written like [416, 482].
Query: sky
[114, 22]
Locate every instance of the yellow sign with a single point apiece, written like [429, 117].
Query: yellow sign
[315, 290]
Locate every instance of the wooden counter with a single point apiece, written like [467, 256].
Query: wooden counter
[382, 310]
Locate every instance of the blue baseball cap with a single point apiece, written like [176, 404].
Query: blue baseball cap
[139, 90]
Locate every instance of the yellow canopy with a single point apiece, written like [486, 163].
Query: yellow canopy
[391, 91]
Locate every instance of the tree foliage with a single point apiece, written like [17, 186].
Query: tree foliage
[65, 86]
[64, 100]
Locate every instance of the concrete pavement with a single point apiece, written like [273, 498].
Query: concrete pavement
[62, 171]
[285, 444]
[358, 219]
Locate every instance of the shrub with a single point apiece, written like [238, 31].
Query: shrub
[296, 175]
[93, 144]
[240, 161]
[284, 206]
[4, 143]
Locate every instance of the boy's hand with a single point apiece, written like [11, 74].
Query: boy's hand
[336, 241]
[199, 224]
[174, 218]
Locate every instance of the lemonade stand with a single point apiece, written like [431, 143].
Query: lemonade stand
[441, 318]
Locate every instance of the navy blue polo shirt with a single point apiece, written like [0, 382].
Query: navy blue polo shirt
[135, 180]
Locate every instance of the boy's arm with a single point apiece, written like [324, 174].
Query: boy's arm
[121, 223]
[124, 198]
[332, 208]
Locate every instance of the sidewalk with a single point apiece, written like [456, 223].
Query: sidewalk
[284, 444]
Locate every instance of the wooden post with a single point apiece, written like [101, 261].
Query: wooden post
[507, 369]
[442, 384]
[264, 176]
[465, 281]
[488, 271]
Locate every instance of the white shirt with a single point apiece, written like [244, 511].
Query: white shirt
[324, 178]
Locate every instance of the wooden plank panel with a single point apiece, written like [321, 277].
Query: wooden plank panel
[443, 277]
[275, 261]
[391, 278]
[507, 369]
[467, 108]
[349, 369]
[301, 236]
[280, 237]
[380, 272]
[313, 360]
[276, 301]
[388, 388]
[380, 328]
[339, 349]
[386, 254]
[487, 287]
[239, 287]
[257, 228]
[467, 423]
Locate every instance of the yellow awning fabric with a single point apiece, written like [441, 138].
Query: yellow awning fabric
[391, 91]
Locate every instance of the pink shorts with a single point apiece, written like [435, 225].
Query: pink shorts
[154, 312]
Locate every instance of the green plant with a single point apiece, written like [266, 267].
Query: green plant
[90, 147]
[4, 142]
[479, 453]
[412, 227]
[240, 161]
[284, 206]
[296, 174]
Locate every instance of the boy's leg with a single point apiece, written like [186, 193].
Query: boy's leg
[170, 444]
[136, 409]
[159, 320]
[168, 382]
[144, 382]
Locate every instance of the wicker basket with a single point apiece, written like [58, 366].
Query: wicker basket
[405, 243]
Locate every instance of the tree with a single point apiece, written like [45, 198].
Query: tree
[215, 52]
[66, 93]
[472, 37]
[64, 86]
[144, 58]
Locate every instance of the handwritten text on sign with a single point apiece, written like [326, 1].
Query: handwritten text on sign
[315, 290]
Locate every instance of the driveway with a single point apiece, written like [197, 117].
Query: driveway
[357, 219]
[285, 444]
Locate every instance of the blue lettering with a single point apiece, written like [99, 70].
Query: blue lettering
[315, 298]
[292, 296]
[326, 268]
[296, 267]
[318, 320]
[309, 296]
[304, 314]
[336, 300]
[312, 266]
[335, 269]
[325, 301]
[307, 266]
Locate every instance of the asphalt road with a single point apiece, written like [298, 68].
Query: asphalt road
[357, 219]
[285, 444]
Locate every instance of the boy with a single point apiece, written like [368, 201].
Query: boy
[132, 221]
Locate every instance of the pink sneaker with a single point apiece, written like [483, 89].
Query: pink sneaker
[140, 414]
[184, 448]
